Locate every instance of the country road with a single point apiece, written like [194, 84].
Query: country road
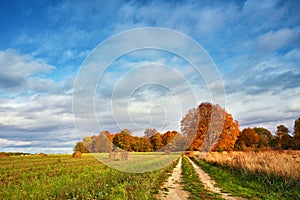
[173, 189]
[209, 184]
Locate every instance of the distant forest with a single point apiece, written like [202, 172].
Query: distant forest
[204, 128]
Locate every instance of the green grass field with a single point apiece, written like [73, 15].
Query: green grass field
[139, 162]
[64, 177]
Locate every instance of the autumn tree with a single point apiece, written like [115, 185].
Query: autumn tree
[168, 140]
[136, 145]
[266, 139]
[156, 142]
[281, 130]
[283, 140]
[141, 144]
[124, 140]
[168, 136]
[150, 132]
[180, 142]
[97, 144]
[209, 127]
[87, 141]
[81, 147]
[297, 129]
[229, 135]
[297, 134]
[102, 142]
[248, 139]
[190, 129]
[145, 144]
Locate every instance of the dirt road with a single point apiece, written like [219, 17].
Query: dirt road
[172, 189]
[209, 184]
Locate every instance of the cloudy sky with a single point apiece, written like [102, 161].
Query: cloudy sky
[44, 45]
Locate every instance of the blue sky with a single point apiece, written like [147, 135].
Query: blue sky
[255, 45]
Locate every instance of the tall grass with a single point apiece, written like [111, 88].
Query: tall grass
[278, 163]
[262, 175]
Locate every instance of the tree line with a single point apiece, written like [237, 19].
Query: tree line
[204, 128]
[151, 141]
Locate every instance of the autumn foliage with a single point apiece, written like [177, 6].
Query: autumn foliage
[248, 139]
[208, 127]
[107, 142]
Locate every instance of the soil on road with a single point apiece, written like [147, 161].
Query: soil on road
[172, 189]
[209, 184]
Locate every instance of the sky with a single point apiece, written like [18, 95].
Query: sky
[44, 46]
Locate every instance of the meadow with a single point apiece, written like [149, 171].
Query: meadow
[64, 177]
[138, 162]
[262, 175]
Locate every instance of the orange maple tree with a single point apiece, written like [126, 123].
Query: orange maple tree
[209, 127]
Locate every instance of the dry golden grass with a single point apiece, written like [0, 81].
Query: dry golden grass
[279, 163]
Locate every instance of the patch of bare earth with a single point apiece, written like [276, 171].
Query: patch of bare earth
[172, 189]
[209, 184]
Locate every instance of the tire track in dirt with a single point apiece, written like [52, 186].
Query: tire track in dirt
[209, 184]
[172, 189]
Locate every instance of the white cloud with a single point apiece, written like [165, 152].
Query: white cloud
[6, 142]
[38, 123]
[16, 69]
[37, 112]
[267, 110]
[147, 88]
[248, 36]
[274, 40]
[265, 94]
[197, 18]
[293, 55]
